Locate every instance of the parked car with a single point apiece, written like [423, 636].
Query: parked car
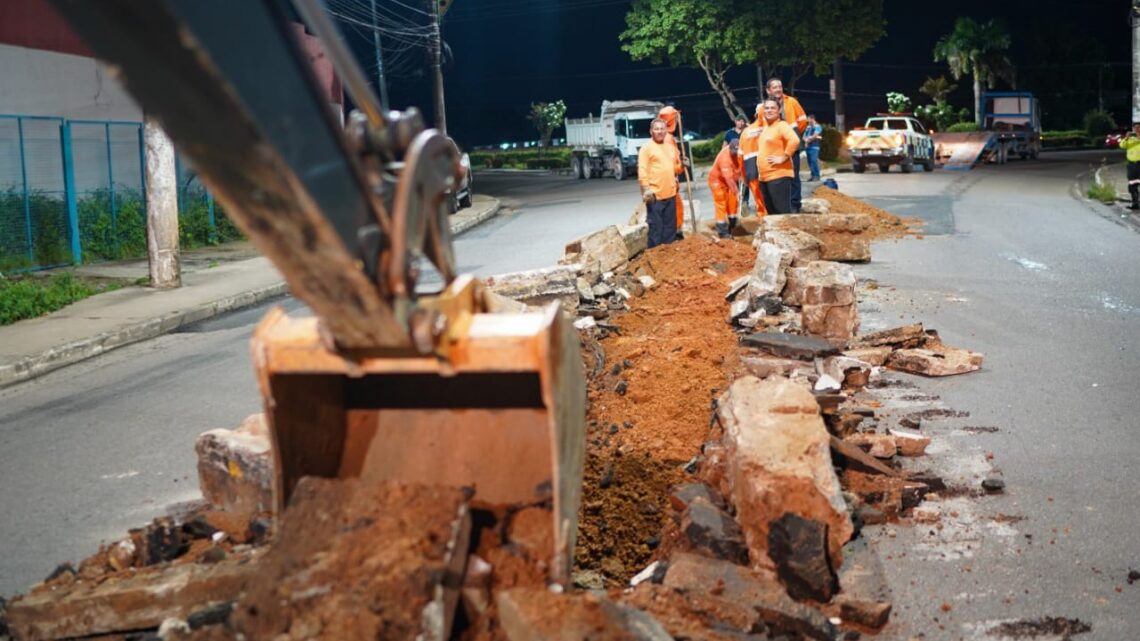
[461, 196]
[1113, 138]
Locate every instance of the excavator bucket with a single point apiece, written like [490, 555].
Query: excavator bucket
[503, 416]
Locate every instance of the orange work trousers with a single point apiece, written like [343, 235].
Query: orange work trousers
[761, 210]
[725, 201]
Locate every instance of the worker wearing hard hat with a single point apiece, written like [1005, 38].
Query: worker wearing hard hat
[669, 114]
[1131, 146]
[749, 153]
[723, 177]
[657, 169]
[792, 113]
[777, 142]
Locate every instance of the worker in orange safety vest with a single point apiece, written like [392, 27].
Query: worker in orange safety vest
[749, 155]
[669, 114]
[723, 177]
[792, 113]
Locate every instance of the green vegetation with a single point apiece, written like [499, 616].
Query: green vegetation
[546, 117]
[707, 150]
[962, 127]
[830, 144]
[794, 36]
[1078, 138]
[897, 102]
[941, 116]
[542, 158]
[1102, 191]
[1098, 123]
[979, 50]
[30, 296]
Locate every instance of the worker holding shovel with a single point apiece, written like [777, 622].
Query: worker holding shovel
[723, 178]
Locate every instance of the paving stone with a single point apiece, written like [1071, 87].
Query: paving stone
[880, 446]
[804, 348]
[636, 238]
[605, 247]
[585, 292]
[769, 274]
[897, 337]
[910, 443]
[841, 235]
[235, 467]
[803, 247]
[864, 596]
[539, 286]
[871, 355]
[711, 530]
[765, 366]
[828, 307]
[946, 361]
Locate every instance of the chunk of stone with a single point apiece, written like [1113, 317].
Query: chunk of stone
[738, 309]
[779, 461]
[815, 206]
[841, 236]
[851, 372]
[525, 614]
[647, 281]
[605, 248]
[235, 467]
[910, 442]
[870, 355]
[828, 306]
[799, 549]
[586, 322]
[803, 247]
[499, 304]
[768, 275]
[757, 589]
[793, 293]
[804, 348]
[880, 446]
[539, 286]
[765, 366]
[585, 292]
[906, 336]
[636, 238]
[601, 290]
[737, 286]
[864, 596]
[681, 495]
[711, 531]
[946, 361]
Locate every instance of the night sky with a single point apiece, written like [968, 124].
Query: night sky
[507, 54]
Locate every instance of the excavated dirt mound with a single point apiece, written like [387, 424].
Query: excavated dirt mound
[884, 224]
[650, 404]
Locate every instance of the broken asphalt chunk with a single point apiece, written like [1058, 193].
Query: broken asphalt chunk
[804, 348]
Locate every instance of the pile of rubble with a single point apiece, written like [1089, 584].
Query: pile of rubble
[734, 452]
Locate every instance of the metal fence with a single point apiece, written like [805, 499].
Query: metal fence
[73, 191]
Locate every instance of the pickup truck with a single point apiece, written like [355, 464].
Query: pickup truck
[891, 139]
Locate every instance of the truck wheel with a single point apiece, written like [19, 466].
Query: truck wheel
[858, 167]
[884, 167]
[617, 167]
[928, 165]
[576, 165]
[587, 168]
[907, 166]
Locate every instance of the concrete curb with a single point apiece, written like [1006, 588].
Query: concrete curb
[76, 351]
[61, 356]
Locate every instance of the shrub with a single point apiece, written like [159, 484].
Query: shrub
[707, 150]
[1068, 138]
[1104, 192]
[941, 116]
[1098, 123]
[897, 102]
[830, 144]
[547, 163]
[960, 127]
[30, 297]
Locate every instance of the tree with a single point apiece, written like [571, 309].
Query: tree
[977, 49]
[710, 35]
[546, 117]
[937, 88]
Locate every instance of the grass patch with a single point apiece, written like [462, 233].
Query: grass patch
[1104, 192]
[32, 296]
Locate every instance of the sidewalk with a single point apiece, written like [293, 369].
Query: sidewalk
[1115, 175]
[215, 280]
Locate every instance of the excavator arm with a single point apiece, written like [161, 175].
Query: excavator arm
[384, 383]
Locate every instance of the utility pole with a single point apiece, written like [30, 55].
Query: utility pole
[840, 105]
[379, 60]
[760, 80]
[1134, 22]
[163, 258]
[436, 56]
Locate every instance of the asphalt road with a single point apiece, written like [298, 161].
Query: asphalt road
[1013, 264]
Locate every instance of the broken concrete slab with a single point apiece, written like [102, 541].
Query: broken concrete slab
[779, 461]
[769, 274]
[880, 446]
[235, 467]
[803, 247]
[585, 292]
[737, 286]
[636, 238]
[815, 206]
[711, 531]
[539, 286]
[799, 549]
[860, 460]
[871, 355]
[864, 596]
[910, 442]
[682, 495]
[852, 373]
[127, 602]
[841, 235]
[828, 305]
[759, 590]
[906, 336]
[764, 366]
[945, 361]
[804, 348]
[525, 614]
[605, 249]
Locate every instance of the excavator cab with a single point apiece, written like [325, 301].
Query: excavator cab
[383, 382]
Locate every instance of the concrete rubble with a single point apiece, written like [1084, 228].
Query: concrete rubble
[762, 541]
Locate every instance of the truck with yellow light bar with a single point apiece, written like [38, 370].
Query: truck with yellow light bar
[891, 139]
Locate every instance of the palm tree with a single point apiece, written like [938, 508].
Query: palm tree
[937, 88]
[977, 49]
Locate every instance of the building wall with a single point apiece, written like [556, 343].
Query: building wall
[47, 83]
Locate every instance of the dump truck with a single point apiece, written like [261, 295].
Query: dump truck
[608, 143]
[1011, 126]
[384, 382]
[891, 139]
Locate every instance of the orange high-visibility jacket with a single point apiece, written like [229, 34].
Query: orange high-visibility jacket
[794, 114]
[669, 115]
[725, 170]
[750, 139]
[777, 138]
[657, 167]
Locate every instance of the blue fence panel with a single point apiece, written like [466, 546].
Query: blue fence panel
[109, 190]
[35, 231]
